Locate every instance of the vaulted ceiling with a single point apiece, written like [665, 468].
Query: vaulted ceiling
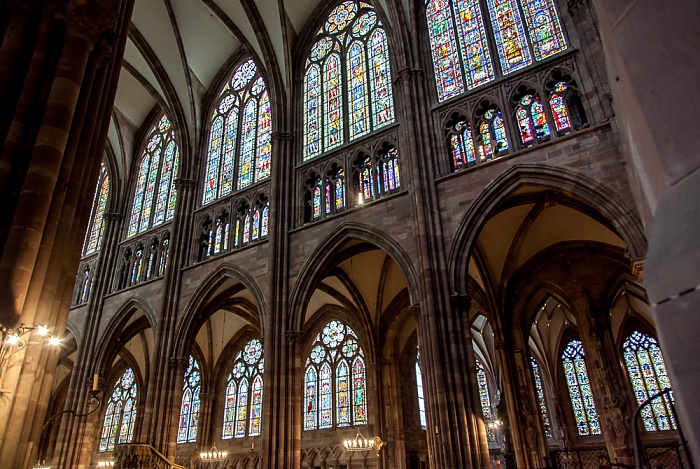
[178, 49]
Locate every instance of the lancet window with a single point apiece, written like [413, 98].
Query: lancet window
[540, 398]
[155, 194]
[580, 392]
[421, 397]
[120, 416]
[465, 57]
[240, 135]
[347, 79]
[647, 372]
[335, 388]
[93, 236]
[189, 410]
[244, 393]
[485, 399]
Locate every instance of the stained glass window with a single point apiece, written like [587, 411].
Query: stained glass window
[485, 399]
[421, 398]
[558, 106]
[120, 416]
[347, 67]
[365, 181]
[647, 372]
[461, 23]
[335, 385]
[244, 392]
[492, 131]
[580, 389]
[540, 398]
[389, 171]
[189, 410]
[155, 195]
[93, 237]
[532, 120]
[462, 144]
[240, 137]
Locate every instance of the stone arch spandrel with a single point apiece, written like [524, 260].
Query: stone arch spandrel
[199, 304]
[317, 265]
[622, 217]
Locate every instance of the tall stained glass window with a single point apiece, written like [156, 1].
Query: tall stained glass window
[120, 416]
[421, 397]
[347, 79]
[647, 371]
[93, 237]
[155, 195]
[240, 136]
[485, 399]
[580, 392]
[462, 145]
[492, 131]
[244, 391]
[558, 106]
[459, 39]
[189, 410]
[540, 398]
[532, 120]
[335, 392]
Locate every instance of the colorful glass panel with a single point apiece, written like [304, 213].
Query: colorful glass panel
[333, 114]
[264, 155]
[509, 33]
[462, 144]
[338, 361]
[448, 73]
[229, 151]
[380, 80]
[476, 57]
[245, 164]
[317, 201]
[212, 175]
[580, 392]
[93, 237]
[265, 220]
[540, 398]
[421, 397]
[244, 393]
[312, 113]
[647, 372]
[539, 119]
[229, 410]
[357, 101]
[189, 410]
[256, 224]
[544, 27]
[485, 399]
[242, 408]
[166, 176]
[558, 106]
[256, 407]
[120, 415]
[339, 192]
[527, 134]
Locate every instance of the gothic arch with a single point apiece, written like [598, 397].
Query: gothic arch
[617, 212]
[197, 308]
[324, 256]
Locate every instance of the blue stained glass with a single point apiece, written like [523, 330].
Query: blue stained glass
[472, 38]
[245, 165]
[380, 80]
[310, 399]
[448, 73]
[333, 113]
[510, 37]
[325, 409]
[485, 399]
[262, 159]
[166, 176]
[229, 151]
[265, 220]
[421, 398]
[120, 415]
[312, 113]
[212, 176]
[540, 398]
[317, 201]
[244, 391]
[342, 394]
[189, 410]
[544, 27]
[93, 236]
[580, 389]
[357, 77]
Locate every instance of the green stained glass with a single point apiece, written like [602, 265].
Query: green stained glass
[580, 389]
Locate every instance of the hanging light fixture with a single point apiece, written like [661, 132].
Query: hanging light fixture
[213, 455]
[360, 444]
[106, 463]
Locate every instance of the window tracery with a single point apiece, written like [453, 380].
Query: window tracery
[466, 25]
[240, 136]
[335, 387]
[244, 391]
[647, 372]
[347, 79]
[120, 416]
[189, 410]
[580, 392]
[93, 236]
[541, 398]
[155, 194]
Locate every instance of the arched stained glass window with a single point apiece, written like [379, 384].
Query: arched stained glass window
[389, 171]
[155, 195]
[93, 237]
[532, 120]
[647, 372]
[580, 389]
[189, 410]
[492, 131]
[244, 391]
[485, 399]
[120, 416]
[454, 24]
[240, 139]
[335, 384]
[462, 144]
[540, 398]
[421, 398]
[558, 106]
[347, 79]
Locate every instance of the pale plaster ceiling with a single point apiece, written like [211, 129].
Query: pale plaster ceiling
[178, 48]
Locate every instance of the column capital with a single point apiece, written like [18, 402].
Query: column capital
[184, 183]
[90, 18]
[461, 302]
[177, 362]
[574, 5]
[282, 136]
[113, 216]
[294, 336]
[406, 75]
